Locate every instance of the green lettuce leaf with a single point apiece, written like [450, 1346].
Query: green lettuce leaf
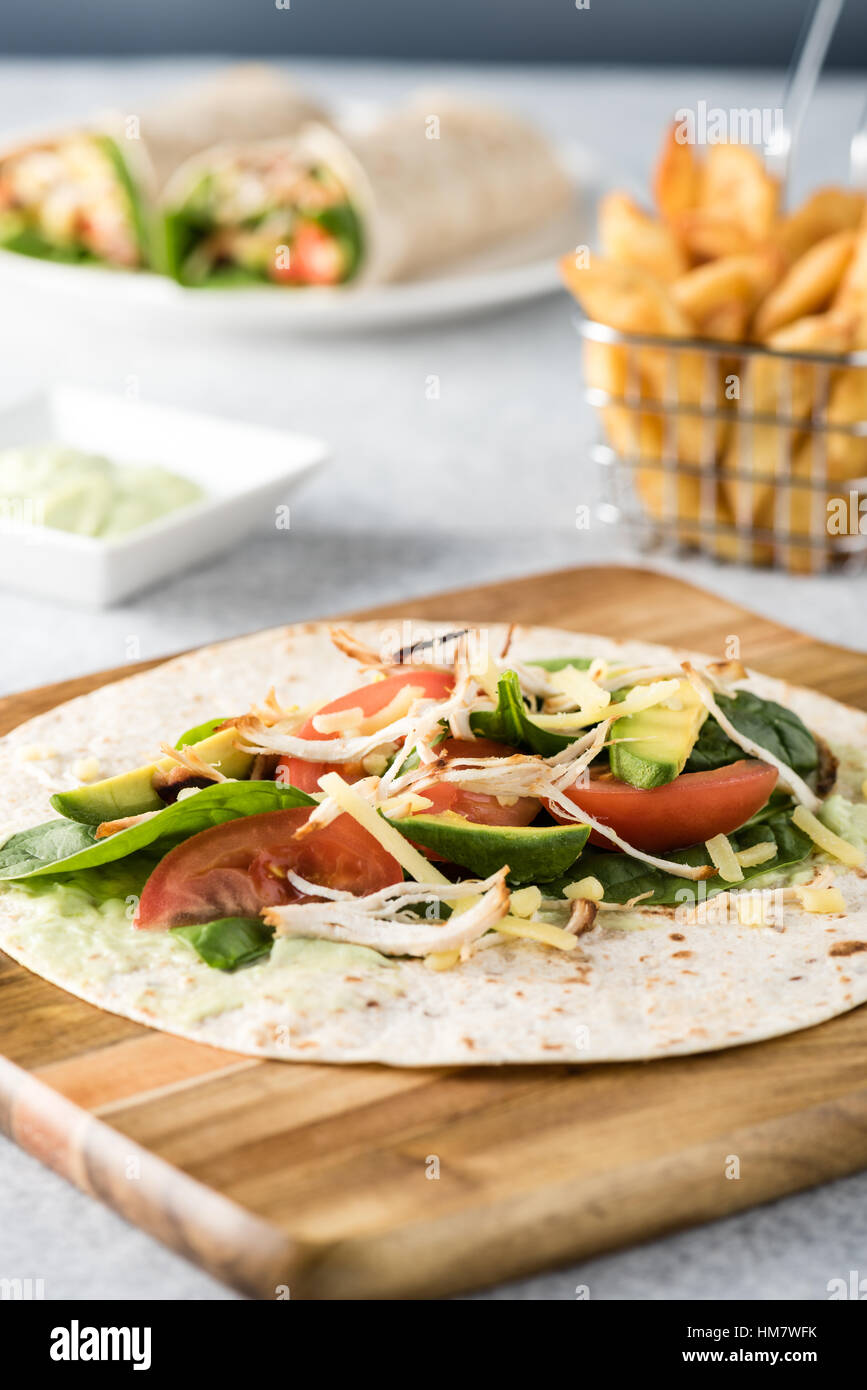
[60, 846]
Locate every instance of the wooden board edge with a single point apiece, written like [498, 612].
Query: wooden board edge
[230, 1243]
[581, 1219]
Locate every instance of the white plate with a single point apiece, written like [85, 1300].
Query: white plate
[246, 471]
[507, 274]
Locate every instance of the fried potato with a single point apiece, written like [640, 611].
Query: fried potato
[723, 444]
[810, 284]
[847, 454]
[720, 297]
[736, 184]
[625, 297]
[631, 236]
[707, 235]
[677, 179]
[801, 506]
[825, 212]
[780, 386]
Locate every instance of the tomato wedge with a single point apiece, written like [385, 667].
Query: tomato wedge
[432, 684]
[480, 807]
[694, 807]
[237, 868]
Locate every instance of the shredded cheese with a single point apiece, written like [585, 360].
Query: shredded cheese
[525, 901]
[442, 960]
[86, 769]
[826, 839]
[585, 888]
[820, 899]
[754, 909]
[757, 854]
[484, 671]
[543, 932]
[391, 840]
[724, 858]
[582, 691]
[641, 698]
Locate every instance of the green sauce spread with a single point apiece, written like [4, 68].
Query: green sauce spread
[68, 490]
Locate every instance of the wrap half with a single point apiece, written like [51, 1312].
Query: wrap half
[429, 183]
[89, 194]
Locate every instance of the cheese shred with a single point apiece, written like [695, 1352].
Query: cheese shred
[826, 839]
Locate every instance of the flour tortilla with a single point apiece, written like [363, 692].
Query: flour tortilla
[251, 101]
[661, 990]
[487, 176]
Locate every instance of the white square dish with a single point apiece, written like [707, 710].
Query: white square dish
[243, 470]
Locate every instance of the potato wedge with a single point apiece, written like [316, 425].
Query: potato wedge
[825, 212]
[847, 454]
[810, 284]
[720, 297]
[631, 236]
[736, 184]
[625, 297]
[677, 178]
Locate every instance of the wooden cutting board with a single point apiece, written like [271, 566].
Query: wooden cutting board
[274, 1174]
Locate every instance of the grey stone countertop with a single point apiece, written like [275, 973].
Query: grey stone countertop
[420, 494]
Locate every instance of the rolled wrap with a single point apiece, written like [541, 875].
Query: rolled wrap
[429, 183]
[91, 192]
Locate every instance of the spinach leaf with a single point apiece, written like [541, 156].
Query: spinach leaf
[60, 846]
[510, 722]
[623, 877]
[772, 726]
[230, 941]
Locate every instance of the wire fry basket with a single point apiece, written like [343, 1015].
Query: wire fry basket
[741, 452]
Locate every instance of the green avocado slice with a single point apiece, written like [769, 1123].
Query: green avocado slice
[534, 853]
[131, 793]
[656, 741]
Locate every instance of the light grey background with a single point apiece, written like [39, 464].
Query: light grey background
[421, 495]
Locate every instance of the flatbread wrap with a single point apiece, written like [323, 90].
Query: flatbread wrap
[426, 184]
[89, 193]
[512, 846]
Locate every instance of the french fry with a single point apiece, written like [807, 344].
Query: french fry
[629, 235]
[810, 284]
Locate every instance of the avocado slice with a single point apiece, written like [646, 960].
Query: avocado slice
[662, 737]
[533, 853]
[131, 793]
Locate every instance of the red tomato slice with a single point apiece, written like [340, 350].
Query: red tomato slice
[237, 868]
[315, 258]
[694, 807]
[480, 807]
[434, 684]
